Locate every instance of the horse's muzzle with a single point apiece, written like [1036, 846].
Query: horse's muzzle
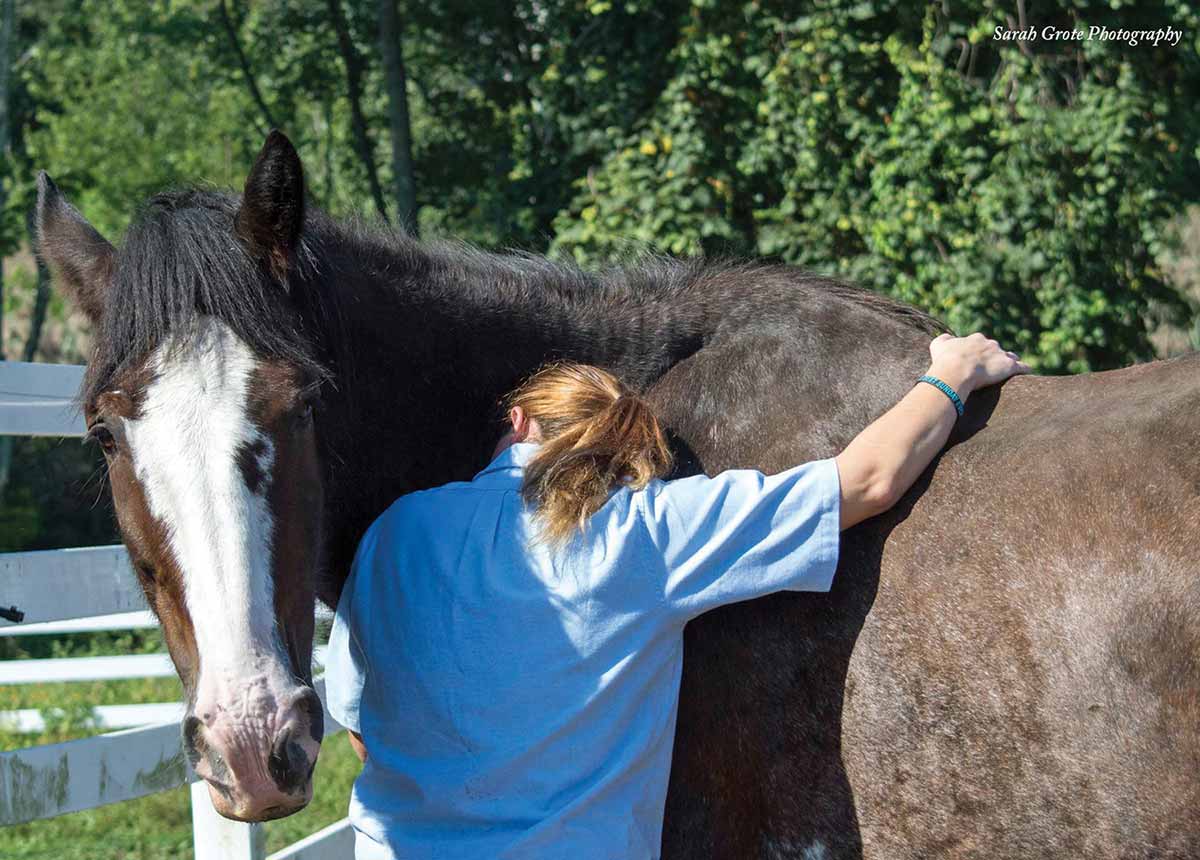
[258, 767]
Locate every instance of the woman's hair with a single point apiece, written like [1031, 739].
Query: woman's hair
[597, 434]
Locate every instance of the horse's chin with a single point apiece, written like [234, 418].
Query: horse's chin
[249, 812]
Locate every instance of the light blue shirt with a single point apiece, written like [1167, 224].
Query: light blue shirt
[520, 702]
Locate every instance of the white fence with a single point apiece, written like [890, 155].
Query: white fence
[93, 589]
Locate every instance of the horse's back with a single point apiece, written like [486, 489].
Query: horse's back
[1039, 616]
[1007, 665]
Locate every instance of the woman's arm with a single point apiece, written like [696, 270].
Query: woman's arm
[884, 460]
[356, 742]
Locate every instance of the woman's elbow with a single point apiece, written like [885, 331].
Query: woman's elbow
[866, 492]
[884, 494]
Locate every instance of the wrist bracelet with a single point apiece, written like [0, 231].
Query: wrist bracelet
[945, 389]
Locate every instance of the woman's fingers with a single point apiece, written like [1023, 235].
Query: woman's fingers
[937, 341]
[1012, 366]
[991, 361]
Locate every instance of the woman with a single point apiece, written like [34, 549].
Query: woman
[509, 649]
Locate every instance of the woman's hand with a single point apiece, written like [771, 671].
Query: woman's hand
[884, 460]
[971, 362]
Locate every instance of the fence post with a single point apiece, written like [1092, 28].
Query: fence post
[217, 838]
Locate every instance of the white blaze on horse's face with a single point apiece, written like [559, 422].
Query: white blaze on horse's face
[249, 733]
[192, 423]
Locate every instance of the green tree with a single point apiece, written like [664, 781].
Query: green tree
[392, 51]
[1023, 190]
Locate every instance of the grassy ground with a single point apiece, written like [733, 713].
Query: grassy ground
[158, 827]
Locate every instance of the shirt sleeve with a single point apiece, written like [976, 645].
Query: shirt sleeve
[743, 534]
[345, 660]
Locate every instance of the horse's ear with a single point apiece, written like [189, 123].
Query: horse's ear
[272, 212]
[77, 256]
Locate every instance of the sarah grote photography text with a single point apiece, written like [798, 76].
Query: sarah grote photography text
[1050, 33]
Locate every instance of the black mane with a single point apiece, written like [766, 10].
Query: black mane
[180, 260]
[647, 277]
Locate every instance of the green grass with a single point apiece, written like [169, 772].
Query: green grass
[66, 708]
[158, 827]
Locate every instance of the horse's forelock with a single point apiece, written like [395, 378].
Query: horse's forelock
[180, 261]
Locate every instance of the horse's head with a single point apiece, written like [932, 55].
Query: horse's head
[200, 392]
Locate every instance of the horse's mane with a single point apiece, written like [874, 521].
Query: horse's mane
[180, 261]
[645, 275]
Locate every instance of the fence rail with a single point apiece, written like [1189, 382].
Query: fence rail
[119, 668]
[39, 399]
[88, 589]
[62, 584]
[143, 619]
[54, 779]
[335, 842]
[33, 720]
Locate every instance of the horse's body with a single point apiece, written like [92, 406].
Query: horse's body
[989, 676]
[1006, 666]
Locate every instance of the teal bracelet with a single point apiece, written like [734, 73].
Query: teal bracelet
[945, 389]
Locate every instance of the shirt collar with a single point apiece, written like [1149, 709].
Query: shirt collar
[512, 460]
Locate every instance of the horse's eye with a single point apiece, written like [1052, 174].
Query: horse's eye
[100, 434]
[304, 415]
[146, 570]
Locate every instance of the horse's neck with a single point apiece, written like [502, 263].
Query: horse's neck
[426, 347]
[421, 365]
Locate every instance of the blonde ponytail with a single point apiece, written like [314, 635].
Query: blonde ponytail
[596, 435]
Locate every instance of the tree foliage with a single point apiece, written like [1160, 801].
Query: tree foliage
[1023, 188]
[1026, 189]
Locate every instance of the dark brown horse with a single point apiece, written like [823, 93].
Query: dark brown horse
[1008, 665]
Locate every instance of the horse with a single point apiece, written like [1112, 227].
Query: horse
[1008, 664]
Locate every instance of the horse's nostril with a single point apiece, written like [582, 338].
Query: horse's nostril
[277, 761]
[316, 720]
[288, 764]
[308, 703]
[316, 725]
[191, 726]
[192, 741]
